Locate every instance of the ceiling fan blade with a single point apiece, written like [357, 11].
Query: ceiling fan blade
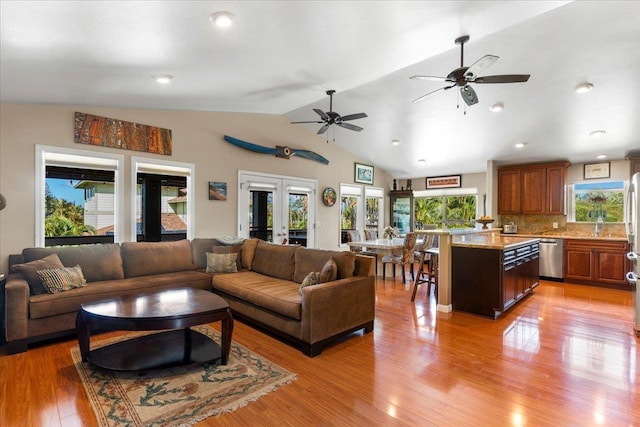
[312, 121]
[423, 97]
[350, 126]
[479, 66]
[323, 129]
[469, 95]
[432, 78]
[503, 78]
[321, 114]
[354, 116]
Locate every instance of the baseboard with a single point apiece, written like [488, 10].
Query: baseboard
[445, 308]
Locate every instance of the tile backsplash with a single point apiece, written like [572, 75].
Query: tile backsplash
[539, 224]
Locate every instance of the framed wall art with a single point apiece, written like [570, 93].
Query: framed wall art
[329, 196]
[217, 190]
[597, 170]
[363, 174]
[452, 181]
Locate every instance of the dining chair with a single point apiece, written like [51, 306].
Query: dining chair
[406, 257]
[371, 234]
[354, 236]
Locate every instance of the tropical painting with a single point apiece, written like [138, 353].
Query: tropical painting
[114, 133]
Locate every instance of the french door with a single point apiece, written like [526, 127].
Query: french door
[277, 209]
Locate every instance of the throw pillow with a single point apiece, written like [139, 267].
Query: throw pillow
[62, 279]
[311, 279]
[222, 263]
[329, 272]
[235, 249]
[29, 271]
[229, 240]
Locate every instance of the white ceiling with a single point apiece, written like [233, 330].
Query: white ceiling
[281, 56]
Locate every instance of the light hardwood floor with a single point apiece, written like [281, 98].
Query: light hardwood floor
[566, 356]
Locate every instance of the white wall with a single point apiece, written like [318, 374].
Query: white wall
[197, 138]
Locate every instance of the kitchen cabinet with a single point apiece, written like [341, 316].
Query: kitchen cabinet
[597, 262]
[489, 281]
[401, 203]
[534, 189]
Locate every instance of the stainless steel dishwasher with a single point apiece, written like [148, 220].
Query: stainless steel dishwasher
[551, 253]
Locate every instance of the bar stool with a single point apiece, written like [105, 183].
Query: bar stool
[430, 275]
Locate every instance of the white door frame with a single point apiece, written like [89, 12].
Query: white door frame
[280, 185]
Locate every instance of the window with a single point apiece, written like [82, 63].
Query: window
[162, 205]
[593, 200]
[446, 209]
[78, 197]
[360, 208]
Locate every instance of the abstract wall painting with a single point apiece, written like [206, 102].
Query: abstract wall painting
[114, 133]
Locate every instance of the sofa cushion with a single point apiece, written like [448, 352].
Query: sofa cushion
[329, 271]
[199, 247]
[235, 249]
[46, 305]
[30, 270]
[308, 260]
[275, 260]
[222, 263]
[248, 252]
[311, 279]
[58, 280]
[149, 258]
[98, 261]
[276, 295]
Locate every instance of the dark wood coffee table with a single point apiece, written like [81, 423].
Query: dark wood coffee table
[175, 309]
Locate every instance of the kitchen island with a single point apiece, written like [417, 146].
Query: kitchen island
[490, 272]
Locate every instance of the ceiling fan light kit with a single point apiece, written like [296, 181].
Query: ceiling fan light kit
[463, 76]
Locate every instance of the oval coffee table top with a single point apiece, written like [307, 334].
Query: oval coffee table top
[165, 304]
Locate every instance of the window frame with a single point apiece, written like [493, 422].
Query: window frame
[75, 158]
[571, 200]
[362, 192]
[443, 193]
[163, 167]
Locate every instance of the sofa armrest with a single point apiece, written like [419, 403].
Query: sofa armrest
[334, 307]
[16, 299]
[365, 266]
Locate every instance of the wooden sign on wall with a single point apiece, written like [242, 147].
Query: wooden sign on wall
[114, 133]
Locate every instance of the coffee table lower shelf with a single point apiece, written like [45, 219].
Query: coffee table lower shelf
[157, 351]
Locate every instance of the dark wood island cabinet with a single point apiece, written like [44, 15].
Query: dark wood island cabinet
[490, 274]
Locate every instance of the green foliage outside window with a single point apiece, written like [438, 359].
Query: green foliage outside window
[609, 204]
[445, 211]
[63, 218]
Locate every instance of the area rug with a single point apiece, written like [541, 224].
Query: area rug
[178, 396]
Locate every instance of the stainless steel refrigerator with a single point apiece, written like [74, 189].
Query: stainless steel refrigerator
[633, 233]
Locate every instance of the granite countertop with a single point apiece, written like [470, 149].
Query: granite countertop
[565, 235]
[493, 241]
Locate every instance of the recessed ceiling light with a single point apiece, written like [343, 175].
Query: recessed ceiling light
[601, 156]
[222, 19]
[583, 87]
[498, 106]
[598, 132]
[395, 142]
[422, 161]
[520, 144]
[163, 78]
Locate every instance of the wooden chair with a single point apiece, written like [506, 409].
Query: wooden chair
[402, 259]
[428, 257]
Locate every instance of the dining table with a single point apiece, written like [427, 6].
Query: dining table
[382, 246]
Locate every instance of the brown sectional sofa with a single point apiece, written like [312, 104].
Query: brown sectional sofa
[264, 292]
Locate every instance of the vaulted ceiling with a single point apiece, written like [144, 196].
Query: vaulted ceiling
[280, 57]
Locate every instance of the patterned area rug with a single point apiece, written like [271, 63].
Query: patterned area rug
[178, 396]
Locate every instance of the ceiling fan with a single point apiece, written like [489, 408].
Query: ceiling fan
[332, 118]
[464, 75]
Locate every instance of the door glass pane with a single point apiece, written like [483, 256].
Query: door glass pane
[402, 214]
[298, 217]
[261, 215]
[348, 216]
